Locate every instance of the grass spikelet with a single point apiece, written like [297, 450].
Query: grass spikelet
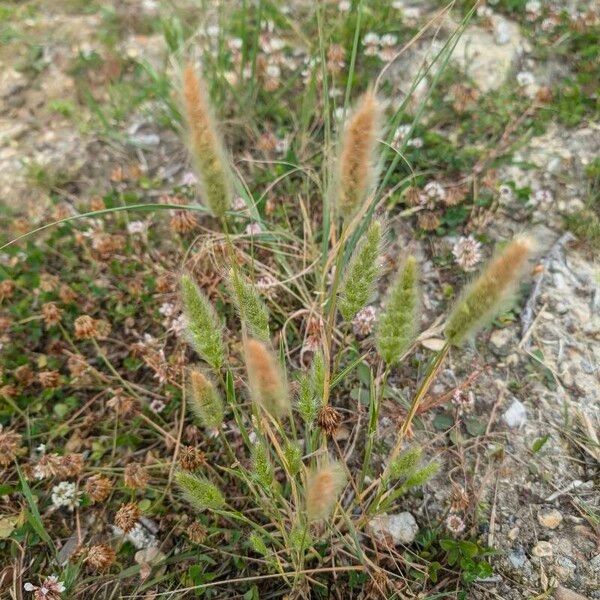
[323, 487]
[199, 491]
[261, 465]
[204, 400]
[406, 463]
[487, 295]
[358, 286]
[357, 167]
[206, 146]
[250, 307]
[308, 403]
[421, 476]
[267, 382]
[203, 327]
[398, 324]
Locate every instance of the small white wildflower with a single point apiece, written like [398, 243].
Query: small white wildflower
[533, 8]
[273, 71]
[41, 449]
[505, 192]
[543, 197]
[253, 229]
[484, 11]
[525, 78]
[467, 253]
[235, 44]
[238, 203]
[281, 146]
[277, 44]
[178, 325]
[401, 132]
[344, 5]
[389, 39]
[65, 494]
[213, 30]
[136, 227]
[189, 179]
[434, 190]
[50, 589]
[464, 402]
[410, 13]
[167, 309]
[267, 285]
[371, 43]
[455, 524]
[339, 113]
[157, 406]
[502, 32]
[415, 142]
[364, 321]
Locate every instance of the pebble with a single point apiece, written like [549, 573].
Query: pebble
[550, 519]
[516, 414]
[399, 529]
[542, 549]
[562, 593]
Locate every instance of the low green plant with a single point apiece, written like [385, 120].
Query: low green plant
[290, 468]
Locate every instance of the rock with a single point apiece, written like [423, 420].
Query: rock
[550, 519]
[487, 57]
[595, 563]
[396, 529]
[502, 342]
[542, 549]
[517, 557]
[562, 593]
[516, 414]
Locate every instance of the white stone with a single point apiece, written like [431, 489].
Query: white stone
[396, 529]
[542, 549]
[516, 414]
[550, 519]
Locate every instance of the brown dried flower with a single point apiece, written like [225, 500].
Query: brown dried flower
[127, 516]
[191, 458]
[98, 488]
[7, 289]
[196, 532]
[100, 557]
[49, 379]
[66, 294]
[329, 419]
[85, 327]
[10, 444]
[135, 476]
[24, 375]
[184, 221]
[122, 404]
[51, 314]
[428, 221]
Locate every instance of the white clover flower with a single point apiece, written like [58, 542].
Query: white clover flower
[364, 321]
[467, 253]
[51, 588]
[543, 197]
[189, 178]
[157, 406]
[525, 78]
[253, 229]
[389, 39]
[455, 524]
[273, 71]
[371, 43]
[136, 227]
[344, 5]
[65, 494]
[400, 133]
[213, 30]
[235, 44]
[167, 309]
[415, 143]
[238, 203]
[434, 190]
[505, 192]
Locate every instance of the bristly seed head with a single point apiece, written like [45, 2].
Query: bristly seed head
[357, 167]
[268, 386]
[205, 401]
[127, 516]
[486, 296]
[206, 146]
[323, 487]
